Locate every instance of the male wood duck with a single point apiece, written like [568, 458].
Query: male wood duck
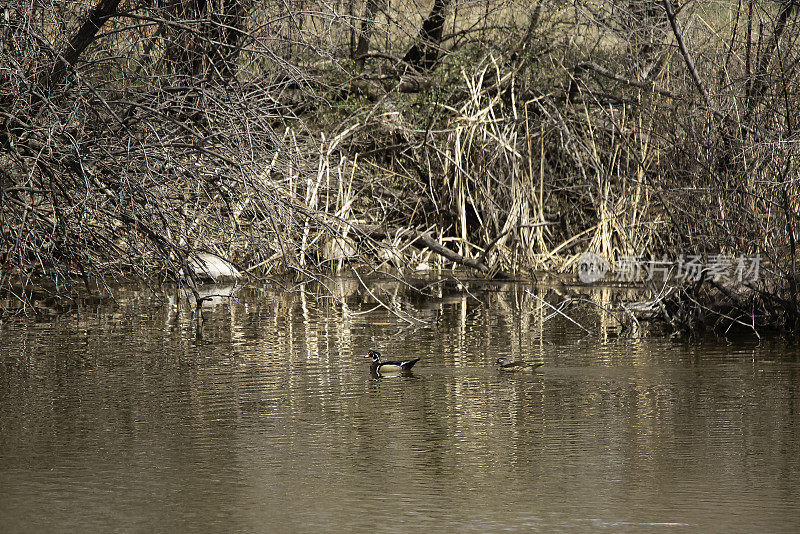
[505, 365]
[379, 367]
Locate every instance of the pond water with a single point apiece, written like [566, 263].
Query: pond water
[135, 418]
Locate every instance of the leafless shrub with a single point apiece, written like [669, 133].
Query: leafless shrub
[283, 135]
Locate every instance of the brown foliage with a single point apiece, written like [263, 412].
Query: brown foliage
[538, 131]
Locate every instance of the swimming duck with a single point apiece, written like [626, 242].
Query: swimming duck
[505, 365]
[379, 367]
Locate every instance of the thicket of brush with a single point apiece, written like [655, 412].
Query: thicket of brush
[303, 135]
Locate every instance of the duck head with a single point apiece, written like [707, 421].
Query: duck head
[501, 361]
[374, 355]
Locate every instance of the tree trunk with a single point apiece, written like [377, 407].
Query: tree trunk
[225, 33]
[367, 25]
[80, 40]
[757, 86]
[647, 26]
[184, 51]
[423, 55]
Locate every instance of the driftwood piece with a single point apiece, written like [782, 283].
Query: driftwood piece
[417, 238]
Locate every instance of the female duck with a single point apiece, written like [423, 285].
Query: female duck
[379, 367]
[505, 365]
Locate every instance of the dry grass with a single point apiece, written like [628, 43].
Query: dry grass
[542, 133]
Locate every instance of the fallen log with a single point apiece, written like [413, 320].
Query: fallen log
[418, 238]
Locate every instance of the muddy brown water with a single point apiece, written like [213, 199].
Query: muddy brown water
[132, 418]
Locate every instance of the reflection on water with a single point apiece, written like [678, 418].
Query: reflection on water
[125, 419]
